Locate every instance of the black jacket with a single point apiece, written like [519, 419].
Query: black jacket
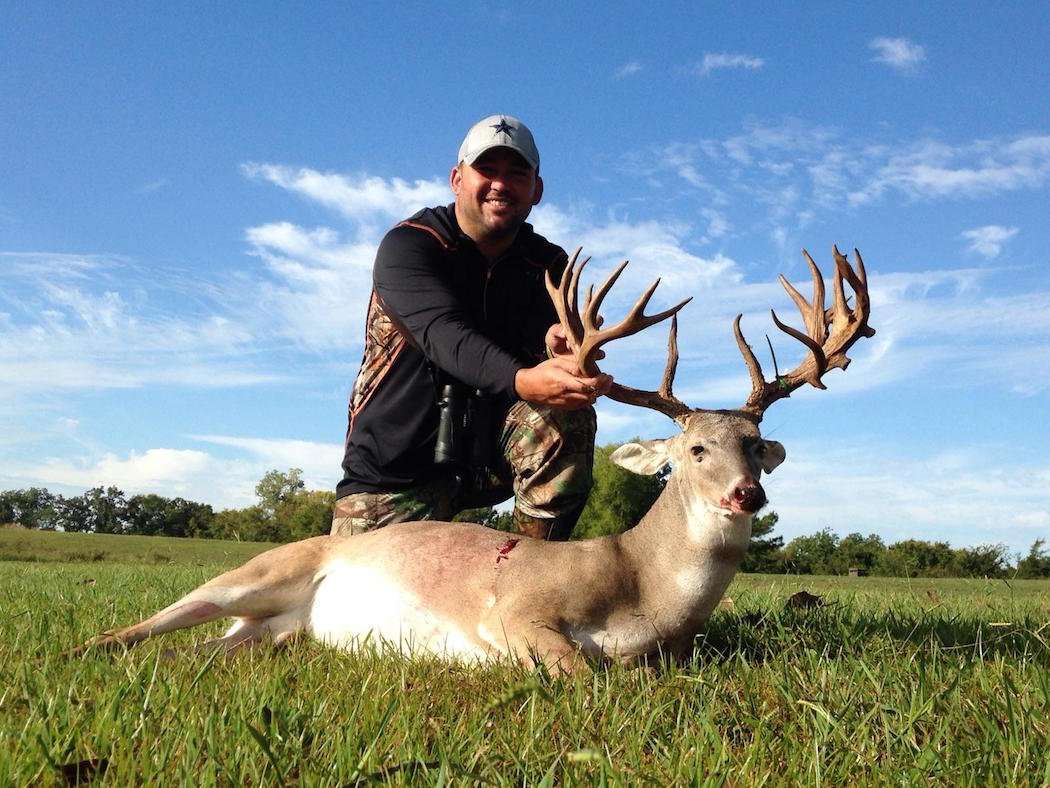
[438, 303]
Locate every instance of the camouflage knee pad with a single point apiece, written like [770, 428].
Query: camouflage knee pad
[550, 453]
[360, 512]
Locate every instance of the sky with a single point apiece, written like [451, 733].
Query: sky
[191, 196]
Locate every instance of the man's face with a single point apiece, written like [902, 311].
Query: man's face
[495, 194]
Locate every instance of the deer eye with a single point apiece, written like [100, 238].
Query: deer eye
[697, 451]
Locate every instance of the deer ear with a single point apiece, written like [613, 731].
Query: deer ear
[772, 456]
[644, 457]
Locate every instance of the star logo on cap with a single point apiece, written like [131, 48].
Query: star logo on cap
[502, 127]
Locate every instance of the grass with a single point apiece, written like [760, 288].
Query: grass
[943, 681]
[17, 544]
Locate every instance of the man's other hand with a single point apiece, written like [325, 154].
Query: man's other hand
[558, 345]
[557, 383]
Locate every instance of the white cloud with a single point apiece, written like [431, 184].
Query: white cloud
[628, 69]
[90, 323]
[153, 186]
[718, 225]
[59, 267]
[322, 285]
[934, 169]
[358, 198]
[223, 482]
[282, 452]
[799, 165]
[714, 61]
[653, 245]
[989, 239]
[150, 471]
[898, 53]
[956, 497]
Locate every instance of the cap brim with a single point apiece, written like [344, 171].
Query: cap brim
[472, 157]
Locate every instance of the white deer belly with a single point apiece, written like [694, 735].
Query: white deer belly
[358, 605]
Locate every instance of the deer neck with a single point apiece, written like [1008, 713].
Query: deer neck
[686, 549]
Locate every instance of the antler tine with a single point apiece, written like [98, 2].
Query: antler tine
[672, 360]
[812, 313]
[758, 378]
[563, 296]
[574, 290]
[661, 400]
[594, 300]
[820, 361]
[840, 311]
[633, 322]
[830, 333]
[586, 335]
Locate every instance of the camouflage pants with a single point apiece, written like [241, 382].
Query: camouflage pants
[546, 462]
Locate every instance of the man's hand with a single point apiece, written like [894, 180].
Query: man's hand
[558, 345]
[558, 383]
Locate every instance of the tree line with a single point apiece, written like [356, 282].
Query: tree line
[287, 512]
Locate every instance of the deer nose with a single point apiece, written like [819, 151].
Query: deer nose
[749, 496]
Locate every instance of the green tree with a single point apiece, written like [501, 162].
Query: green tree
[981, 561]
[916, 558]
[73, 514]
[107, 510]
[146, 514]
[763, 554]
[1036, 563]
[487, 516]
[159, 516]
[618, 499]
[34, 507]
[274, 488]
[245, 525]
[858, 551]
[812, 555]
[305, 513]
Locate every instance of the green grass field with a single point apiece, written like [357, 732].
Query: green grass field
[944, 681]
[17, 544]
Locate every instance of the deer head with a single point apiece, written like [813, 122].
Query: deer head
[720, 454]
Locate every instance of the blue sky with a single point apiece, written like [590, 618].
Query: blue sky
[191, 196]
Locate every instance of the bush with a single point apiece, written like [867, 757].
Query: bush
[618, 499]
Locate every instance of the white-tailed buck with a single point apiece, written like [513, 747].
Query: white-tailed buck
[465, 591]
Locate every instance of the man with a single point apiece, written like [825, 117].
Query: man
[460, 320]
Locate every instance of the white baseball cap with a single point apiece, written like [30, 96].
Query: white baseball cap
[499, 131]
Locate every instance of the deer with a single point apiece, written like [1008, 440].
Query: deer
[465, 592]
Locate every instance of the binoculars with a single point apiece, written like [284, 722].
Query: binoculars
[464, 430]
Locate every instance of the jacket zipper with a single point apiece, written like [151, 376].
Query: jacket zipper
[485, 290]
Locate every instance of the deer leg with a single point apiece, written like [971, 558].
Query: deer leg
[268, 593]
[187, 612]
[244, 634]
[534, 642]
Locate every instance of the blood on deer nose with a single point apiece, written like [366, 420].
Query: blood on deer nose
[749, 496]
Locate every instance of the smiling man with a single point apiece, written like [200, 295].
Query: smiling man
[467, 393]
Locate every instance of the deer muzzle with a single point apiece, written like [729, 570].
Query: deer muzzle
[748, 496]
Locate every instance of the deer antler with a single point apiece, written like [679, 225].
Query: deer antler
[829, 333]
[585, 333]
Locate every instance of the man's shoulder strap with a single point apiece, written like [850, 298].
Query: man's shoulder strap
[436, 223]
[446, 244]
